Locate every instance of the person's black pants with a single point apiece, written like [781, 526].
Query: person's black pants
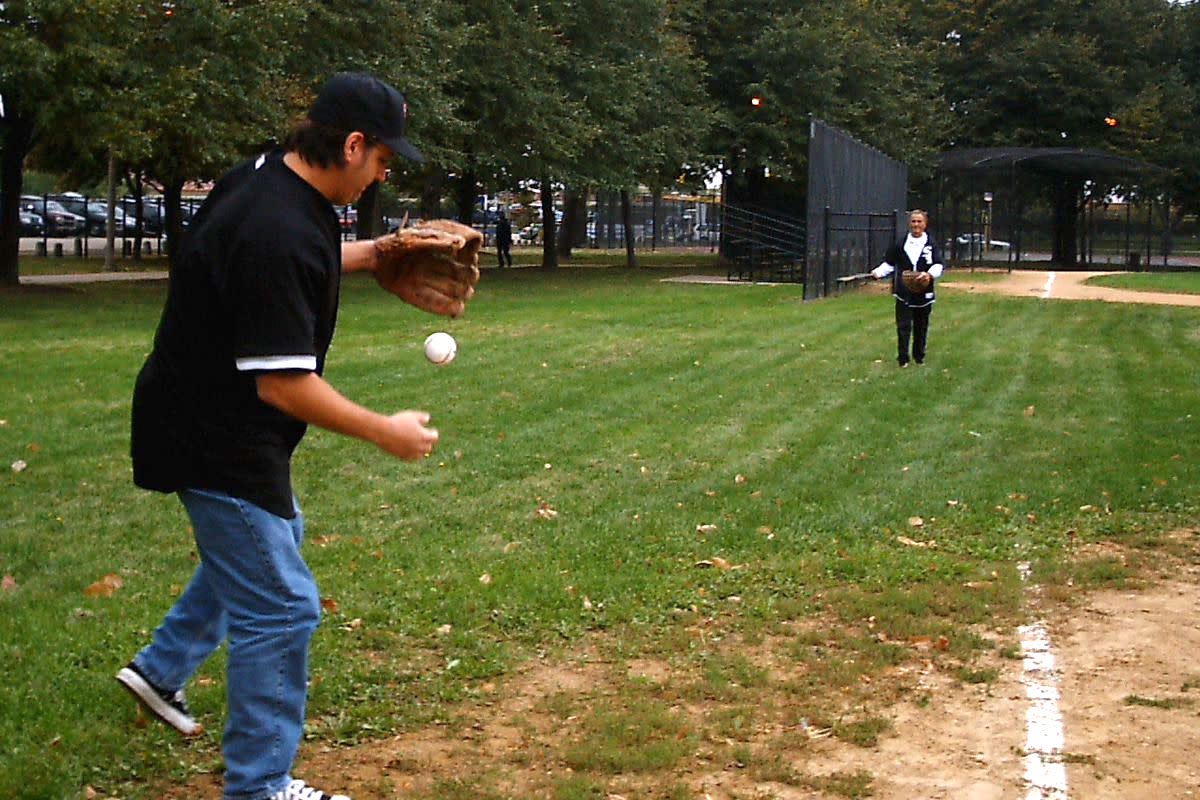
[912, 323]
[502, 253]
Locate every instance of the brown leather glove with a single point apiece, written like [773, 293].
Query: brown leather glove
[433, 266]
[916, 282]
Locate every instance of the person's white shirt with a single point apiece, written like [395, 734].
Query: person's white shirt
[913, 245]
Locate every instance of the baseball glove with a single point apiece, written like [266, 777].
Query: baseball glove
[916, 282]
[433, 266]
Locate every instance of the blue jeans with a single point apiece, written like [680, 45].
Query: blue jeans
[252, 587]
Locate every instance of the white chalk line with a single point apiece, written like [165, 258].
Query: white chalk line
[1049, 285]
[1045, 774]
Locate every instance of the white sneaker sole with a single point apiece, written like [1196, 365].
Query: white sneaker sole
[145, 694]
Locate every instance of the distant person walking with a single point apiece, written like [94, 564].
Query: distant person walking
[504, 240]
[917, 252]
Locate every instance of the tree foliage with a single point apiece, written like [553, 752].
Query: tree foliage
[593, 94]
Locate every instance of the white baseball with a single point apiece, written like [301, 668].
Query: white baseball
[440, 348]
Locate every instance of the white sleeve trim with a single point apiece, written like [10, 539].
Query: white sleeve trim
[277, 362]
[936, 270]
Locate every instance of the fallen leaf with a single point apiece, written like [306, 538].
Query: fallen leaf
[587, 603]
[329, 604]
[8, 583]
[943, 643]
[904, 540]
[1018, 496]
[915, 522]
[706, 528]
[19, 466]
[105, 587]
[952, 503]
[353, 624]
[739, 478]
[1030, 411]
[34, 447]
[90, 793]
[720, 563]
[485, 579]
[544, 511]
[508, 548]
[1088, 507]
[765, 529]
[444, 630]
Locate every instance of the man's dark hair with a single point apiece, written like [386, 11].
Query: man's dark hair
[320, 145]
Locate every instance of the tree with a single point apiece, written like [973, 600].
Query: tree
[1029, 73]
[206, 87]
[54, 64]
[772, 65]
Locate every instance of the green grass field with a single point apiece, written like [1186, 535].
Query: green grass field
[667, 425]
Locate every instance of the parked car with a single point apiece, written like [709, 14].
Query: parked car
[59, 221]
[152, 215]
[32, 224]
[975, 241]
[349, 218]
[530, 234]
[95, 212]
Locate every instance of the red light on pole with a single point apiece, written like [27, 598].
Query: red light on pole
[1110, 121]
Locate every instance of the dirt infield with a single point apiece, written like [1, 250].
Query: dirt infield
[1064, 286]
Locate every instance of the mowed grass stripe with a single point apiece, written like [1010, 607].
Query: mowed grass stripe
[455, 540]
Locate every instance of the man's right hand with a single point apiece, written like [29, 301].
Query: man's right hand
[406, 435]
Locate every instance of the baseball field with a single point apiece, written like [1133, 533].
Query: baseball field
[754, 531]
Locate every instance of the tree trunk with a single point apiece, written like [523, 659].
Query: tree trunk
[1066, 209]
[133, 183]
[574, 224]
[110, 223]
[370, 218]
[627, 224]
[12, 176]
[549, 251]
[465, 197]
[431, 195]
[172, 199]
[655, 216]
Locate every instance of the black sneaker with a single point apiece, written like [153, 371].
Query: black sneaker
[170, 707]
[299, 790]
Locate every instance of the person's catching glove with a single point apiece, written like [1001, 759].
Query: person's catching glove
[916, 282]
[433, 266]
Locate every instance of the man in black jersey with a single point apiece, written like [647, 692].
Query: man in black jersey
[234, 378]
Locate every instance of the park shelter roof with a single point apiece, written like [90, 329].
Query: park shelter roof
[1065, 161]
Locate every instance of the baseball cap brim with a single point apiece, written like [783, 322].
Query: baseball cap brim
[403, 147]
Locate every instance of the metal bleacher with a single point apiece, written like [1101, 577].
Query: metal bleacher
[763, 245]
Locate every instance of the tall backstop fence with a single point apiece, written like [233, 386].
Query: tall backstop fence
[854, 207]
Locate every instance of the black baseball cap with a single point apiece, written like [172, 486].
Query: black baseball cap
[353, 101]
